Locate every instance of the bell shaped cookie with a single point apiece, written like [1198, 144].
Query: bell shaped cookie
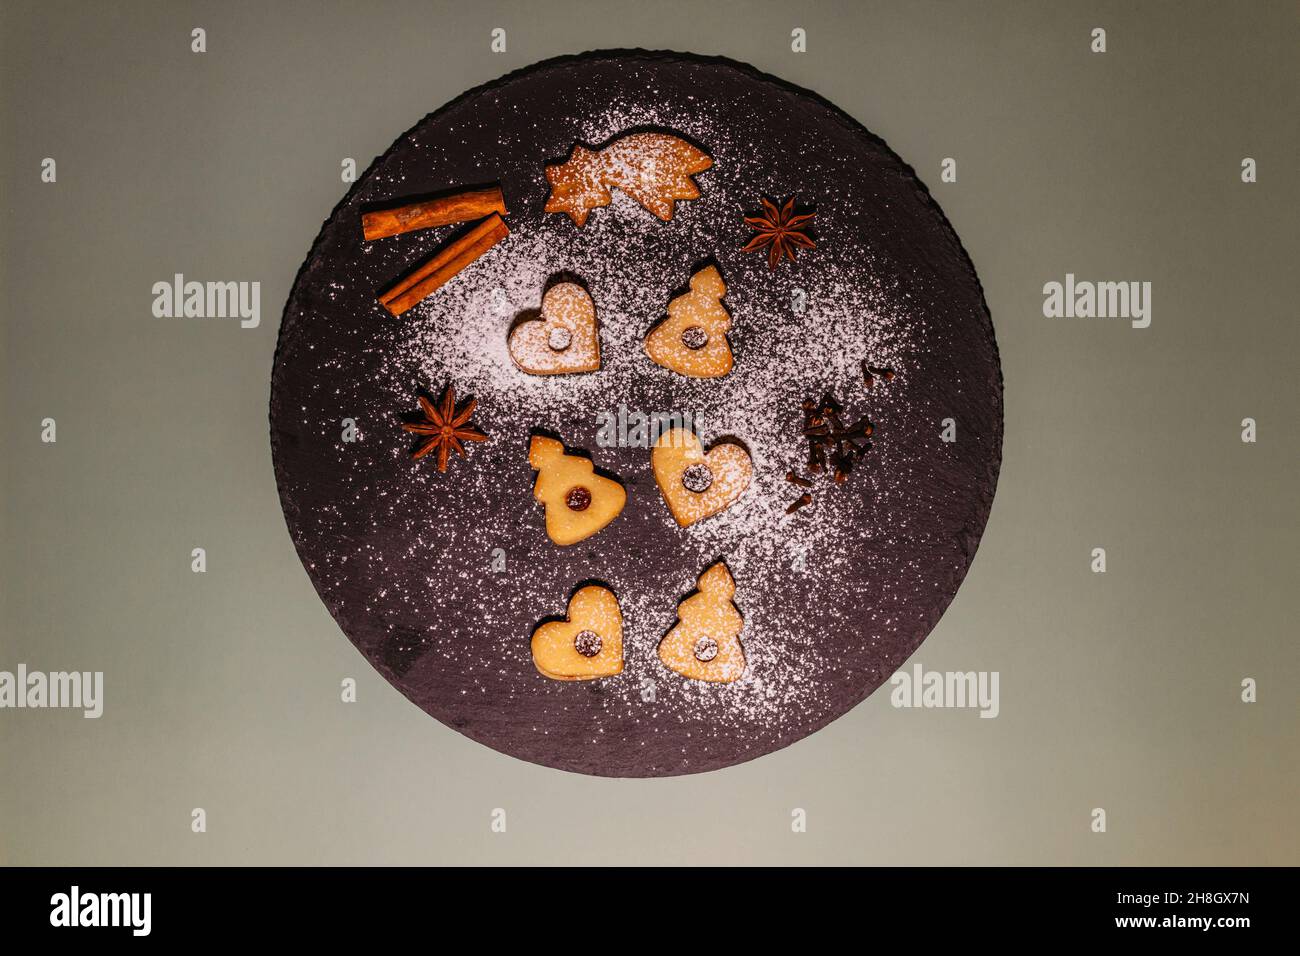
[578, 501]
[564, 339]
[705, 642]
[695, 485]
[588, 643]
[692, 341]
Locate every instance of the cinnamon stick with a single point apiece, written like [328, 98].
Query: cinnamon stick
[444, 265]
[460, 207]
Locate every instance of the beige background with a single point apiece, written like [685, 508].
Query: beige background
[1118, 690]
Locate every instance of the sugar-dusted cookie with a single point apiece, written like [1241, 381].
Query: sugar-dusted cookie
[655, 169]
[705, 642]
[693, 339]
[578, 501]
[696, 485]
[563, 339]
[588, 643]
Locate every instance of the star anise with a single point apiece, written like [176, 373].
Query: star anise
[780, 231]
[444, 427]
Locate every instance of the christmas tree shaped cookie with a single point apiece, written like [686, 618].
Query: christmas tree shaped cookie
[588, 643]
[692, 341]
[578, 501]
[705, 643]
[563, 339]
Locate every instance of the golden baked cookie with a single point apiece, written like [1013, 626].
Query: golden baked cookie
[578, 501]
[564, 339]
[693, 339]
[655, 169]
[696, 485]
[587, 644]
[705, 642]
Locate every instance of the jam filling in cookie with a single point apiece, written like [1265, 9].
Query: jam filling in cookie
[578, 501]
[587, 644]
[695, 485]
[705, 642]
[692, 340]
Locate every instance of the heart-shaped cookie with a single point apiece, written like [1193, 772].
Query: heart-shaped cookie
[696, 485]
[564, 339]
[588, 643]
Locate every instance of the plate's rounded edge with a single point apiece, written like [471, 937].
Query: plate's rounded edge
[856, 128]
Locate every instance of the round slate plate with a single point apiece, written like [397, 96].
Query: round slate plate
[439, 579]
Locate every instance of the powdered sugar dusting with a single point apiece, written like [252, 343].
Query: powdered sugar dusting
[782, 356]
[413, 558]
